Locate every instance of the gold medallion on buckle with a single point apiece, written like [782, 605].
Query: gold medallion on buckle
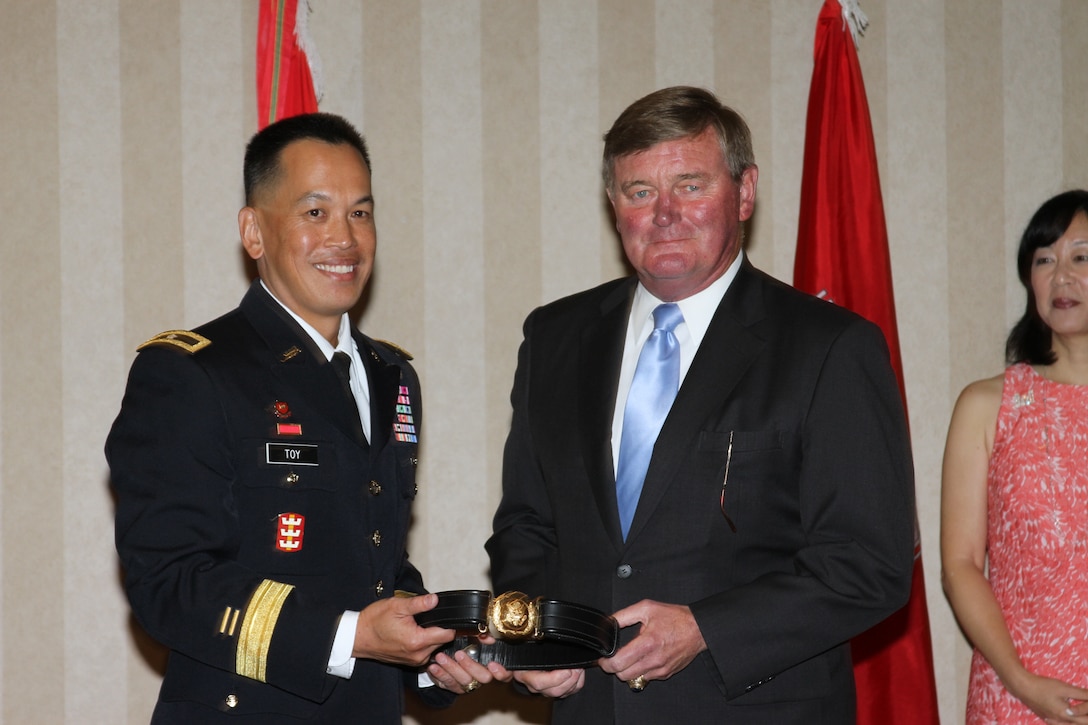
[513, 617]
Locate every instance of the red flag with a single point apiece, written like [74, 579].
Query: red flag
[285, 86]
[842, 256]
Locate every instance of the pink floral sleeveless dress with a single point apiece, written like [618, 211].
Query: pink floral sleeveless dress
[1037, 538]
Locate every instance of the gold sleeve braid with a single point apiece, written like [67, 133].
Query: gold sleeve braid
[258, 625]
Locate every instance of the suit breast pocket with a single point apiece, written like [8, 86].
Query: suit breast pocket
[741, 441]
[744, 463]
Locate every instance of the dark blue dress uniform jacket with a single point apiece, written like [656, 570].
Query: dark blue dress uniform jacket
[216, 457]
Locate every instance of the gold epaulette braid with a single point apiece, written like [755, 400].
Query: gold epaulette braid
[188, 341]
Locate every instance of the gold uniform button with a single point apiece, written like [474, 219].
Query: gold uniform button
[376, 538]
[375, 488]
[379, 588]
[292, 478]
[232, 701]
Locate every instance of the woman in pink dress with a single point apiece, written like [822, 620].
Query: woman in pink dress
[1014, 499]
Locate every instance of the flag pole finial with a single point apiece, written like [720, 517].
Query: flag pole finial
[306, 43]
[853, 16]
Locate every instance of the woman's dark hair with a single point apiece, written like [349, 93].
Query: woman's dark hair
[1030, 340]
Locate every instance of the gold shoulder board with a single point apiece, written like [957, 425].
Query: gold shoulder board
[188, 341]
[396, 348]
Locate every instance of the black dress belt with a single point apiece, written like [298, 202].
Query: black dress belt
[530, 634]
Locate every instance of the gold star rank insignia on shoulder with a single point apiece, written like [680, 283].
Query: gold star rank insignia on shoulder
[185, 340]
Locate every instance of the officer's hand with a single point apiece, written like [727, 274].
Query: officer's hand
[462, 674]
[387, 631]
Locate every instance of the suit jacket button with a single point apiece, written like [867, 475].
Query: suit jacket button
[375, 488]
[624, 571]
[231, 701]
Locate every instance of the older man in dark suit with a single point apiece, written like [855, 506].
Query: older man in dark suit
[264, 467]
[717, 458]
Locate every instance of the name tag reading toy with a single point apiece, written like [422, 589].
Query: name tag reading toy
[291, 454]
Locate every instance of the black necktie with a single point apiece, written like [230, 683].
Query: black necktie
[341, 362]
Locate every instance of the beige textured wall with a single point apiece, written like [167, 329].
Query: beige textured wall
[122, 125]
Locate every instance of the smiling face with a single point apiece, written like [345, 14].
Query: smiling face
[1059, 280]
[679, 213]
[311, 231]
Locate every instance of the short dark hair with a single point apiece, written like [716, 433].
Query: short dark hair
[673, 113]
[1030, 338]
[262, 162]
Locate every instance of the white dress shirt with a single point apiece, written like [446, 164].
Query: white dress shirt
[698, 310]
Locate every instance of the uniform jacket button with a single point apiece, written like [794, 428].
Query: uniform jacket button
[379, 588]
[231, 701]
[376, 538]
[375, 488]
[624, 571]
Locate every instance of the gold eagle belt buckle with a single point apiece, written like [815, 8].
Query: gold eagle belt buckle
[513, 616]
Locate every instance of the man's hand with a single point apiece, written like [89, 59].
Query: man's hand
[387, 631]
[552, 683]
[667, 642]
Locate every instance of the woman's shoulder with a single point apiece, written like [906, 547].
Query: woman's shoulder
[986, 389]
[981, 400]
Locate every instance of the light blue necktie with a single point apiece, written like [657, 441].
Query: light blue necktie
[657, 377]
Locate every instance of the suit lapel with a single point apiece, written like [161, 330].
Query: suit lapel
[725, 354]
[601, 354]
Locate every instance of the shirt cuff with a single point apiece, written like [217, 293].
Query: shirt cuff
[341, 663]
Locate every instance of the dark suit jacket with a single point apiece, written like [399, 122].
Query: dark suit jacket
[820, 489]
[204, 463]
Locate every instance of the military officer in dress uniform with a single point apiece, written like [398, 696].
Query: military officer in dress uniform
[264, 468]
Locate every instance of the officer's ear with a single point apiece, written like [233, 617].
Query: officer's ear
[249, 229]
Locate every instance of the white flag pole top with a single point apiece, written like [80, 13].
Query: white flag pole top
[306, 43]
[855, 18]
